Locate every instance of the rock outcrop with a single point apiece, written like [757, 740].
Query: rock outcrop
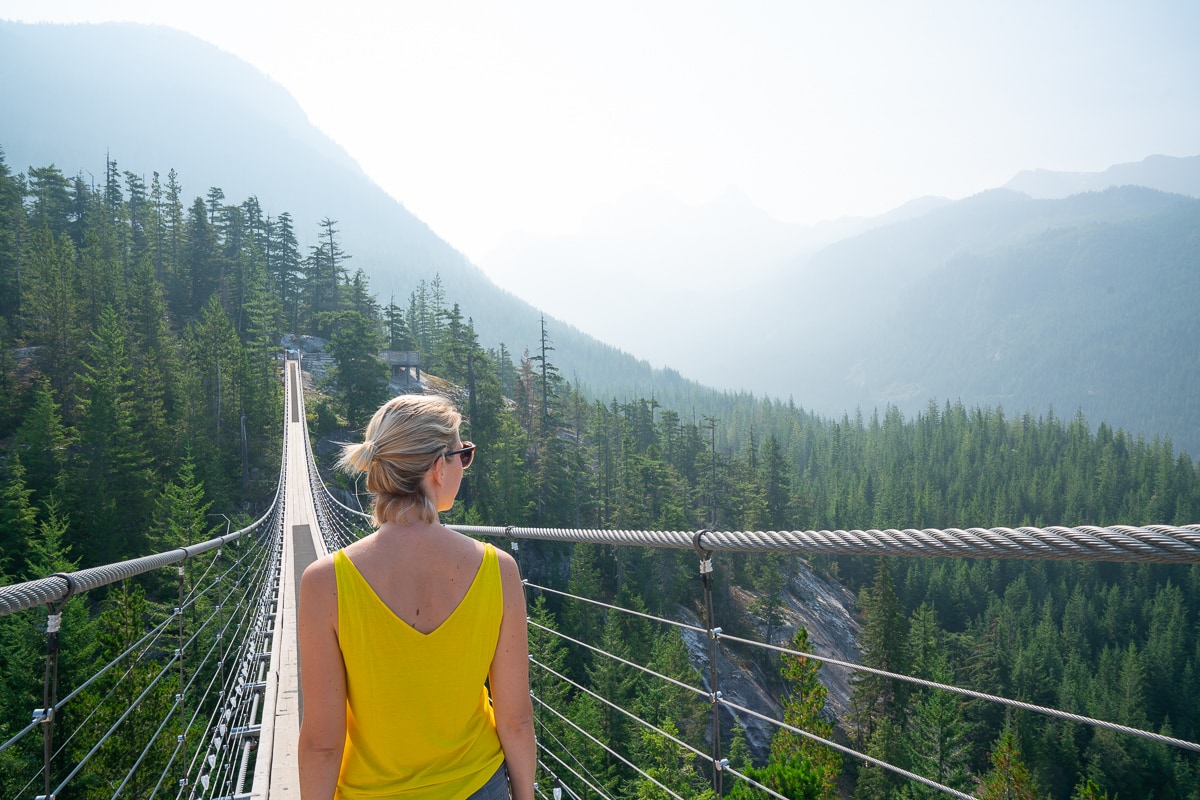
[825, 609]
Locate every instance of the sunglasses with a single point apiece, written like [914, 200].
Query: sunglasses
[466, 454]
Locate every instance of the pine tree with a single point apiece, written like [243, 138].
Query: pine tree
[1009, 778]
[284, 267]
[112, 477]
[360, 375]
[201, 267]
[41, 442]
[52, 308]
[803, 708]
[883, 644]
[12, 235]
[179, 511]
[18, 518]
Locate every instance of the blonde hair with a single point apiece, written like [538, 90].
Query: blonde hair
[402, 441]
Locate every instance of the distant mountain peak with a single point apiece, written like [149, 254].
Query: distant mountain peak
[1164, 173]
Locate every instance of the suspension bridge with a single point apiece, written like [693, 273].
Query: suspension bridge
[205, 702]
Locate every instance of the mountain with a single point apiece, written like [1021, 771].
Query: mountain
[1002, 298]
[1165, 173]
[1082, 304]
[155, 99]
[728, 249]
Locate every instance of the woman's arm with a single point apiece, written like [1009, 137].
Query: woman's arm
[509, 681]
[322, 683]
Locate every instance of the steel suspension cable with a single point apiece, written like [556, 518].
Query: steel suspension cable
[1051, 712]
[146, 643]
[1158, 544]
[625, 661]
[848, 751]
[562, 746]
[610, 607]
[607, 749]
[616, 707]
[567, 767]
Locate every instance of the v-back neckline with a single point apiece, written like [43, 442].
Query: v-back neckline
[453, 612]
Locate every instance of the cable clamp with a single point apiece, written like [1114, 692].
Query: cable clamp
[715, 633]
[722, 764]
[705, 553]
[53, 622]
[71, 587]
[43, 715]
[508, 529]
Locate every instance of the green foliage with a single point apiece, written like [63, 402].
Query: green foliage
[1009, 778]
[360, 375]
[803, 708]
[152, 395]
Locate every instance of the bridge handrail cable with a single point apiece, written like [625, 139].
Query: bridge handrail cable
[1158, 544]
[605, 747]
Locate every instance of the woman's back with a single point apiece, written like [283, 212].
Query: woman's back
[419, 572]
[419, 721]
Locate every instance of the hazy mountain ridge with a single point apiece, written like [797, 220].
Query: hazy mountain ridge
[1079, 304]
[730, 248]
[166, 100]
[816, 313]
[1165, 173]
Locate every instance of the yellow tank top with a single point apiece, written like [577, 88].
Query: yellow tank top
[419, 722]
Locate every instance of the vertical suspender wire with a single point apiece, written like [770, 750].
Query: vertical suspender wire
[50, 681]
[50, 693]
[713, 679]
[179, 698]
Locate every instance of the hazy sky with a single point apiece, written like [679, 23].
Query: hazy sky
[488, 118]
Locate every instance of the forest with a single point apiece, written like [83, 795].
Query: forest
[140, 404]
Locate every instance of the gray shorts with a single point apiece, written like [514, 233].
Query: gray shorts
[496, 788]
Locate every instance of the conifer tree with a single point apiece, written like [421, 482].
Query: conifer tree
[41, 443]
[112, 478]
[1009, 778]
[18, 518]
[284, 268]
[360, 375]
[201, 265]
[12, 232]
[52, 307]
[803, 707]
[882, 642]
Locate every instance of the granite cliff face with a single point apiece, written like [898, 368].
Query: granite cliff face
[825, 609]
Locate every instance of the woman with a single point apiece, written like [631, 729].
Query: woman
[399, 630]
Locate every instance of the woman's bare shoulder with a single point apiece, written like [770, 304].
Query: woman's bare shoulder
[321, 569]
[318, 583]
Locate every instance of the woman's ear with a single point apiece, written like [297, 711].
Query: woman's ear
[437, 473]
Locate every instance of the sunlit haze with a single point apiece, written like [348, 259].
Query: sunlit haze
[492, 119]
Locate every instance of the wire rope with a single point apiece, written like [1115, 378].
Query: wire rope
[567, 767]
[625, 661]
[562, 746]
[1065, 715]
[1126, 543]
[849, 751]
[682, 625]
[609, 750]
[629, 714]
